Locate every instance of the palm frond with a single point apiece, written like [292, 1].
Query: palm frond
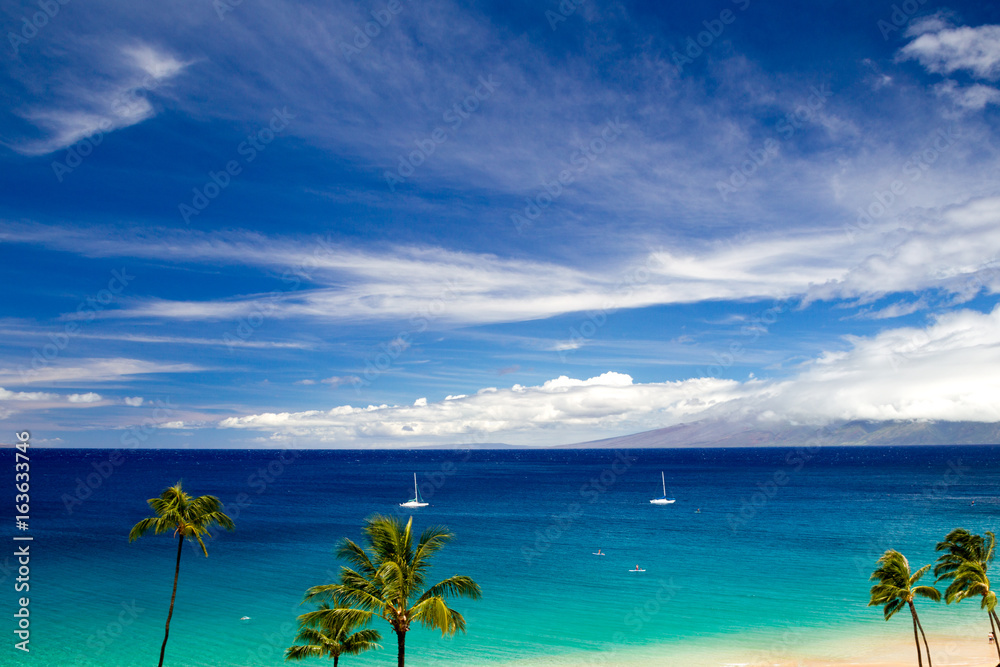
[459, 586]
[176, 511]
[303, 652]
[336, 618]
[435, 613]
[141, 528]
[895, 587]
[361, 641]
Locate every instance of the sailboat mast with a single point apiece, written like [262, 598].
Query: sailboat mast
[415, 496]
[664, 480]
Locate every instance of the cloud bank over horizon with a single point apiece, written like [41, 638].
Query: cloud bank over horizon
[934, 373]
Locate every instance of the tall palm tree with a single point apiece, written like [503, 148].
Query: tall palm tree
[895, 589]
[187, 517]
[388, 580]
[964, 564]
[331, 639]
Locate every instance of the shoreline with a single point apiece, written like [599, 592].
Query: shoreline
[947, 650]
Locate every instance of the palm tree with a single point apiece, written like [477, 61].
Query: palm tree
[189, 518]
[965, 563]
[895, 588]
[331, 639]
[388, 580]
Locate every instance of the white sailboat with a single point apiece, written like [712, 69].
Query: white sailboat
[664, 500]
[416, 496]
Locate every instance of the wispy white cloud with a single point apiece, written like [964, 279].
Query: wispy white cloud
[88, 106]
[973, 98]
[952, 249]
[339, 380]
[90, 371]
[134, 401]
[898, 309]
[229, 342]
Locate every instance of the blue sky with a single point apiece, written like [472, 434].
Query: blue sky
[398, 224]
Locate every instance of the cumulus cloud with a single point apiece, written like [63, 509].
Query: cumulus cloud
[134, 401]
[947, 50]
[610, 399]
[6, 395]
[89, 397]
[947, 371]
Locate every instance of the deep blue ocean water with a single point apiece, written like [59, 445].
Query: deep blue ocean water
[778, 555]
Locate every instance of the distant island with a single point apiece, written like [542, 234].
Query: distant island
[743, 434]
[709, 433]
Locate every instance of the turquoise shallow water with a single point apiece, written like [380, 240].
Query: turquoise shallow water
[777, 557]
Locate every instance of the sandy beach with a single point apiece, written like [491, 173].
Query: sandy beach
[946, 651]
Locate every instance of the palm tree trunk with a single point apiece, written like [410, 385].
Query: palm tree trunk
[336, 659]
[996, 640]
[177, 571]
[401, 644]
[926, 645]
[916, 637]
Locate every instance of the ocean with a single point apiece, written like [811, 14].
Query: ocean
[766, 552]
